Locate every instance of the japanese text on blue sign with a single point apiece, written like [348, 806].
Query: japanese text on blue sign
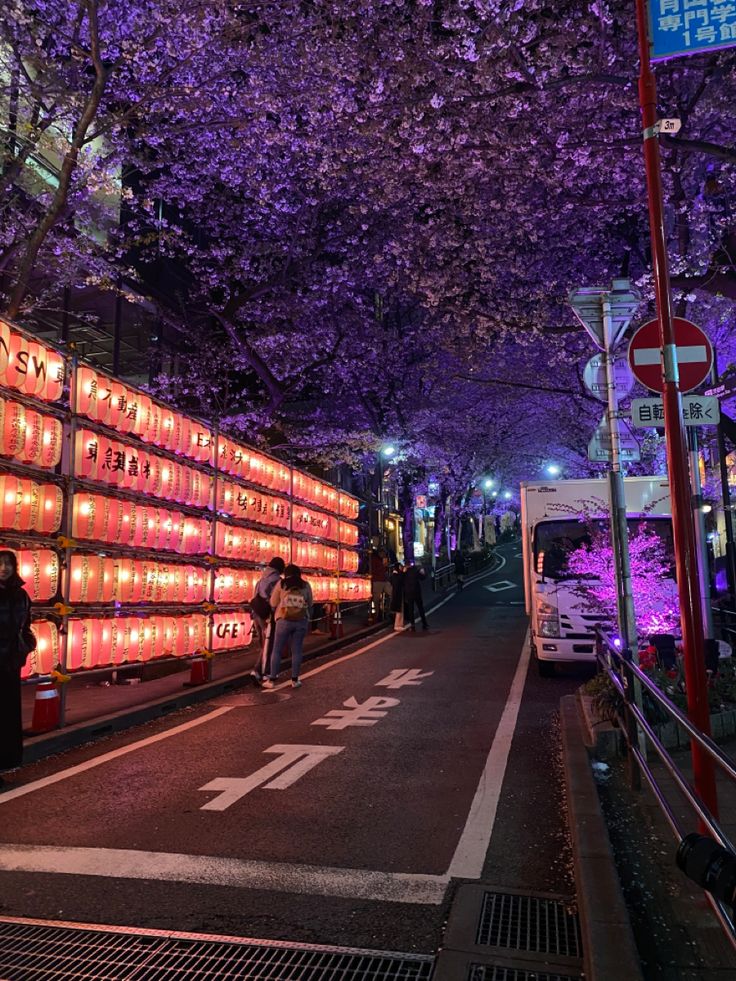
[690, 26]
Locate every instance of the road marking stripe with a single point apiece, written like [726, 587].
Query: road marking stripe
[119, 863]
[72, 771]
[467, 862]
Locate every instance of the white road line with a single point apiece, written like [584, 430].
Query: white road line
[72, 771]
[118, 863]
[467, 862]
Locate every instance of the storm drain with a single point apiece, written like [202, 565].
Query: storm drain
[481, 972]
[542, 926]
[32, 950]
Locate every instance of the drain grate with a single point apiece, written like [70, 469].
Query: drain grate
[481, 972]
[31, 951]
[528, 923]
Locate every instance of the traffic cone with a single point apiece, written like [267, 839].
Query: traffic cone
[46, 707]
[336, 623]
[199, 672]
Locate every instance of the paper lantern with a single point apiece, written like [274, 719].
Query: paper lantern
[13, 428]
[50, 506]
[50, 442]
[40, 570]
[47, 653]
[86, 392]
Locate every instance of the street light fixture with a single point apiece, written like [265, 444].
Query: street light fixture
[507, 495]
[488, 483]
[553, 470]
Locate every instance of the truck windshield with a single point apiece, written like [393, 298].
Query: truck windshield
[554, 541]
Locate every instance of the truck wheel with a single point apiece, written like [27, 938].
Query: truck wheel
[546, 669]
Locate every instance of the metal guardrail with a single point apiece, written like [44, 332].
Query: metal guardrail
[626, 676]
[443, 576]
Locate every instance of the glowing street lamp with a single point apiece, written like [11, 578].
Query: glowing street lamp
[507, 495]
[553, 470]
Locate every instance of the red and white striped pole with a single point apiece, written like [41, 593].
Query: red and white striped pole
[686, 561]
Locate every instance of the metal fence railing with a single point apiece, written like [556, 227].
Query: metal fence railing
[639, 732]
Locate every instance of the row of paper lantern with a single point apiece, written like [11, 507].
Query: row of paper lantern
[105, 519]
[126, 466]
[36, 370]
[28, 506]
[108, 641]
[29, 436]
[29, 366]
[103, 579]
[128, 410]
[251, 505]
[241, 461]
[99, 579]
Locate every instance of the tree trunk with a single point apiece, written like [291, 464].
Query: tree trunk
[59, 200]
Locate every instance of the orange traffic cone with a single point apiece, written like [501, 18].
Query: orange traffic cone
[336, 623]
[46, 707]
[199, 672]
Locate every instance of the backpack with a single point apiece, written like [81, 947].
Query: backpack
[293, 604]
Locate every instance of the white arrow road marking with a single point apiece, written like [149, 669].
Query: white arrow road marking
[294, 760]
[356, 713]
[403, 676]
[692, 354]
[497, 587]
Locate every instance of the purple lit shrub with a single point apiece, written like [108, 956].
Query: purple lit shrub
[654, 589]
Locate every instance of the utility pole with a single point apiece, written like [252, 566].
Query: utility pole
[688, 583]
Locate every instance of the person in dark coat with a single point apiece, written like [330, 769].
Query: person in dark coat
[413, 575]
[460, 569]
[397, 595]
[263, 632]
[16, 643]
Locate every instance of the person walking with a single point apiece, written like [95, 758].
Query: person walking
[292, 604]
[262, 615]
[413, 576]
[460, 569]
[16, 643]
[397, 595]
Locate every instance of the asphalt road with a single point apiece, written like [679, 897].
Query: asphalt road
[341, 813]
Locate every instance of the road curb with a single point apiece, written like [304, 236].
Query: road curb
[608, 942]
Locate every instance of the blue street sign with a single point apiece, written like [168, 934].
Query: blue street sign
[680, 27]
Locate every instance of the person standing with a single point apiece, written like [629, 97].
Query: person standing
[460, 569]
[380, 585]
[16, 643]
[397, 596]
[292, 604]
[413, 576]
[262, 615]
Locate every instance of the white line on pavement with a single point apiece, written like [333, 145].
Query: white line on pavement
[72, 771]
[119, 863]
[467, 862]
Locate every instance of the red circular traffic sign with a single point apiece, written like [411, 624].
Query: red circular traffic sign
[694, 355]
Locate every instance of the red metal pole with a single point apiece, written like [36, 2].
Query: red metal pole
[688, 584]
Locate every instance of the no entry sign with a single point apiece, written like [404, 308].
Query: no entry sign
[694, 355]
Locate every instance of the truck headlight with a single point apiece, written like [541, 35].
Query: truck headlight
[549, 626]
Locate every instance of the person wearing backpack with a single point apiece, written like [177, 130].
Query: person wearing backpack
[292, 604]
[262, 616]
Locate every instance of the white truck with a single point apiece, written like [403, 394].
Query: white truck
[553, 523]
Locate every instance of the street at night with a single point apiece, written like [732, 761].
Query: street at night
[367, 480]
[358, 849]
